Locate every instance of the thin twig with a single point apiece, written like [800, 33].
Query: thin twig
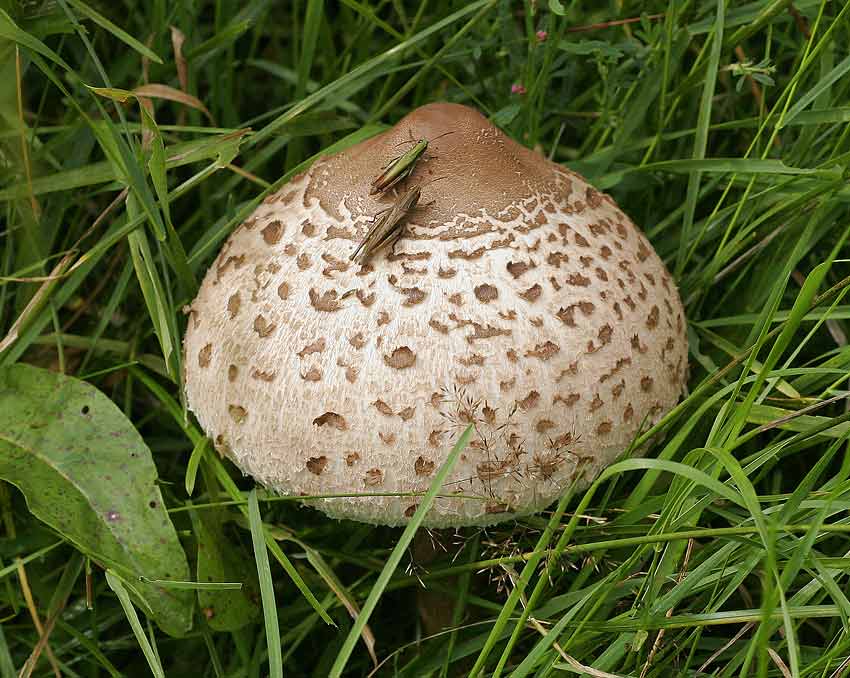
[746, 627]
[781, 665]
[42, 632]
[610, 24]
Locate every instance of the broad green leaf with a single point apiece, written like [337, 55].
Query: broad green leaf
[219, 559]
[87, 473]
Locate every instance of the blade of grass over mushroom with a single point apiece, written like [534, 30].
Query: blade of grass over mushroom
[529, 570]
[117, 585]
[261, 556]
[397, 553]
[198, 452]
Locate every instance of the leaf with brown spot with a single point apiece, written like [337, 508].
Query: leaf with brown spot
[283, 291]
[232, 373]
[407, 413]
[373, 477]
[352, 458]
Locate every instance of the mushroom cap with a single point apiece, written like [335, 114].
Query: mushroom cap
[520, 299]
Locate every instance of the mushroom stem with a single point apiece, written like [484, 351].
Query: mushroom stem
[436, 608]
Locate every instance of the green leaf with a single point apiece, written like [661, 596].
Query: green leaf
[119, 33]
[822, 85]
[112, 93]
[585, 47]
[505, 116]
[194, 461]
[10, 31]
[87, 473]
[557, 7]
[117, 585]
[220, 559]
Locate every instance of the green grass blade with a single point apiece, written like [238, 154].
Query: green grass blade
[117, 585]
[266, 587]
[398, 552]
[118, 32]
[701, 138]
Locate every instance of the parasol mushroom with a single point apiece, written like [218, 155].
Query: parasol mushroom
[518, 298]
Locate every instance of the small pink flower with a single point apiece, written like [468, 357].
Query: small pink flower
[517, 88]
[542, 35]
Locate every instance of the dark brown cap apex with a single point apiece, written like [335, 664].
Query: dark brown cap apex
[480, 169]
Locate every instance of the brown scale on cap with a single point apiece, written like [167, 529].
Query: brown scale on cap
[568, 329]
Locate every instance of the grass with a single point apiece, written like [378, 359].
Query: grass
[722, 129]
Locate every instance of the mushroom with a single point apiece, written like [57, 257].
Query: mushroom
[519, 298]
